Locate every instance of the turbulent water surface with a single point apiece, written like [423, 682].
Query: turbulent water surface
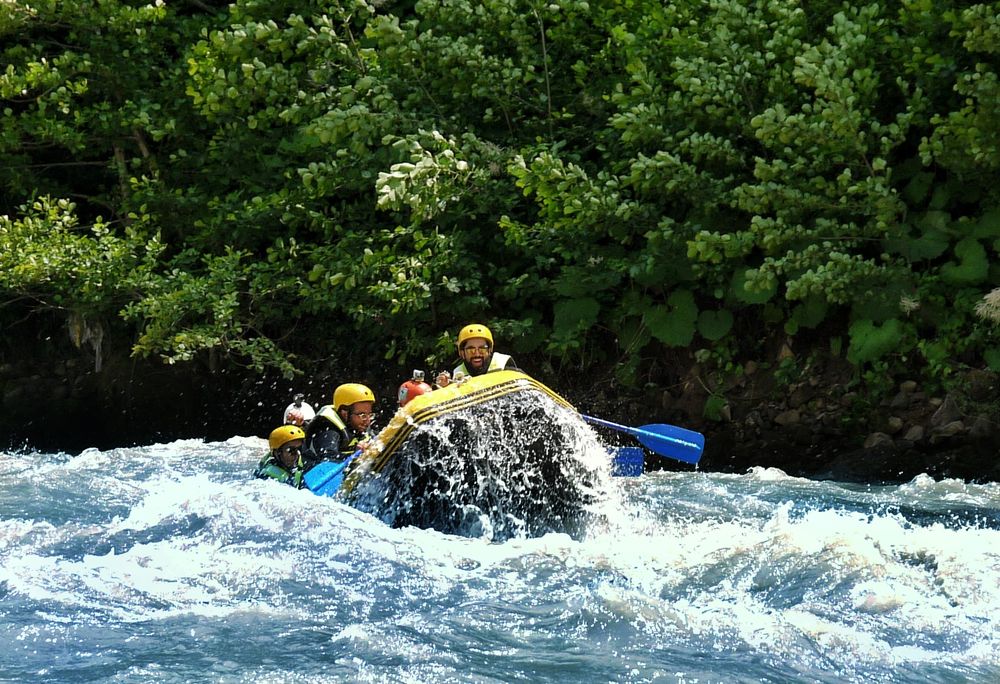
[168, 563]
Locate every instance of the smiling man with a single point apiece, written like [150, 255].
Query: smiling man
[475, 349]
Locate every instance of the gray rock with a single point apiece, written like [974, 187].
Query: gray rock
[877, 439]
[943, 432]
[947, 412]
[982, 385]
[901, 400]
[983, 428]
[800, 395]
[786, 418]
[12, 396]
[726, 413]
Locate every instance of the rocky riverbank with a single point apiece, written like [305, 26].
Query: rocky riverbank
[56, 397]
[819, 427]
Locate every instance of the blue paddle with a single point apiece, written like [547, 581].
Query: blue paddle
[666, 440]
[325, 477]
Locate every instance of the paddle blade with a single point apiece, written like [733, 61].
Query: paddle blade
[666, 440]
[627, 461]
[325, 477]
[672, 441]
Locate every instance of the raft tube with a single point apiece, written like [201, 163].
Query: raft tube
[497, 455]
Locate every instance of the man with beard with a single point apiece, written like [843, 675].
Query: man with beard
[475, 349]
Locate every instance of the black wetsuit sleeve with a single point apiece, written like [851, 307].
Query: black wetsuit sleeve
[325, 445]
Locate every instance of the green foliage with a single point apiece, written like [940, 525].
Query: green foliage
[420, 184]
[187, 313]
[969, 137]
[714, 407]
[574, 316]
[972, 266]
[923, 244]
[748, 287]
[48, 257]
[836, 345]
[714, 325]
[788, 371]
[938, 356]
[988, 225]
[807, 314]
[871, 341]
[877, 379]
[674, 324]
[281, 181]
[992, 357]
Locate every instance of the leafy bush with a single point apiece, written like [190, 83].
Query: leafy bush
[601, 181]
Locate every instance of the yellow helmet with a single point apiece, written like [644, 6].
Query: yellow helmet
[351, 393]
[474, 330]
[286, 433]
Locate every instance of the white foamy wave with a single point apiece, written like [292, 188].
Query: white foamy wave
[781, 579]
[769, 474]
[951, 490]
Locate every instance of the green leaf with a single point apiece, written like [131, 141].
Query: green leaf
[810, 312]
[930, 245]
[714, 325]
[573, 316]
[738, 286]
[973, 266]
[988, 225]
[632, 335]
[836, 345]
[714, 407]
[674, 325]
[992, 358]
[871, 341]
[934, 221]
[916, 190]
[936, 352]
[879, 305]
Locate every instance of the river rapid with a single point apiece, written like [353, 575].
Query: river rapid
[168, 563]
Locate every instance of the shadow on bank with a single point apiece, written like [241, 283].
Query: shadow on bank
[55, 398]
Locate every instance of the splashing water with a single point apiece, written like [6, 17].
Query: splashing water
[168, 563]
[521, 465]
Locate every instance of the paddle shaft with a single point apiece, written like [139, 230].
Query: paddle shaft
[667, 440]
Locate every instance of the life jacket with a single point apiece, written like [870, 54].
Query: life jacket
[497, 362]
[352, 443]
[327, 418]
[270, 468]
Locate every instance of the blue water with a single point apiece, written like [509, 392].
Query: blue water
[168, 563]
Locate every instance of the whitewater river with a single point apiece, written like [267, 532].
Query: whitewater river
[167, 563]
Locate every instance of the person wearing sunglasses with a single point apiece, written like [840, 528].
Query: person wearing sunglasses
[284, 460]
[342, 427]
[475, 350]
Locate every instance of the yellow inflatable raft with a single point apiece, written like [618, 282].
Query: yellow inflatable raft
[497, 455]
